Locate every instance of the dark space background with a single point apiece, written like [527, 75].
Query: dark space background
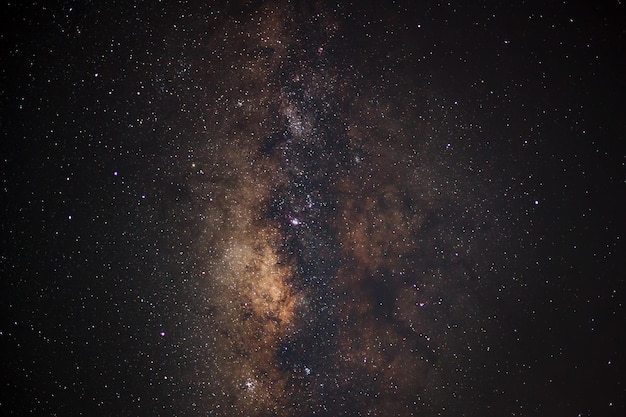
[299, 208]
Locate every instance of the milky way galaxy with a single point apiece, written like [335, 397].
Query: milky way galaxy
[311, 208]
[331, 258]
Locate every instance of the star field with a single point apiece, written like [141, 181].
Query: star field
[309, 208]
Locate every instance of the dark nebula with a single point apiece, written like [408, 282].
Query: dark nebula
[308, 208]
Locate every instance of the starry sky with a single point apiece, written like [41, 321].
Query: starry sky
[313, 208]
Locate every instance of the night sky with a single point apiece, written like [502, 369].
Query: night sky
[309, 208]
